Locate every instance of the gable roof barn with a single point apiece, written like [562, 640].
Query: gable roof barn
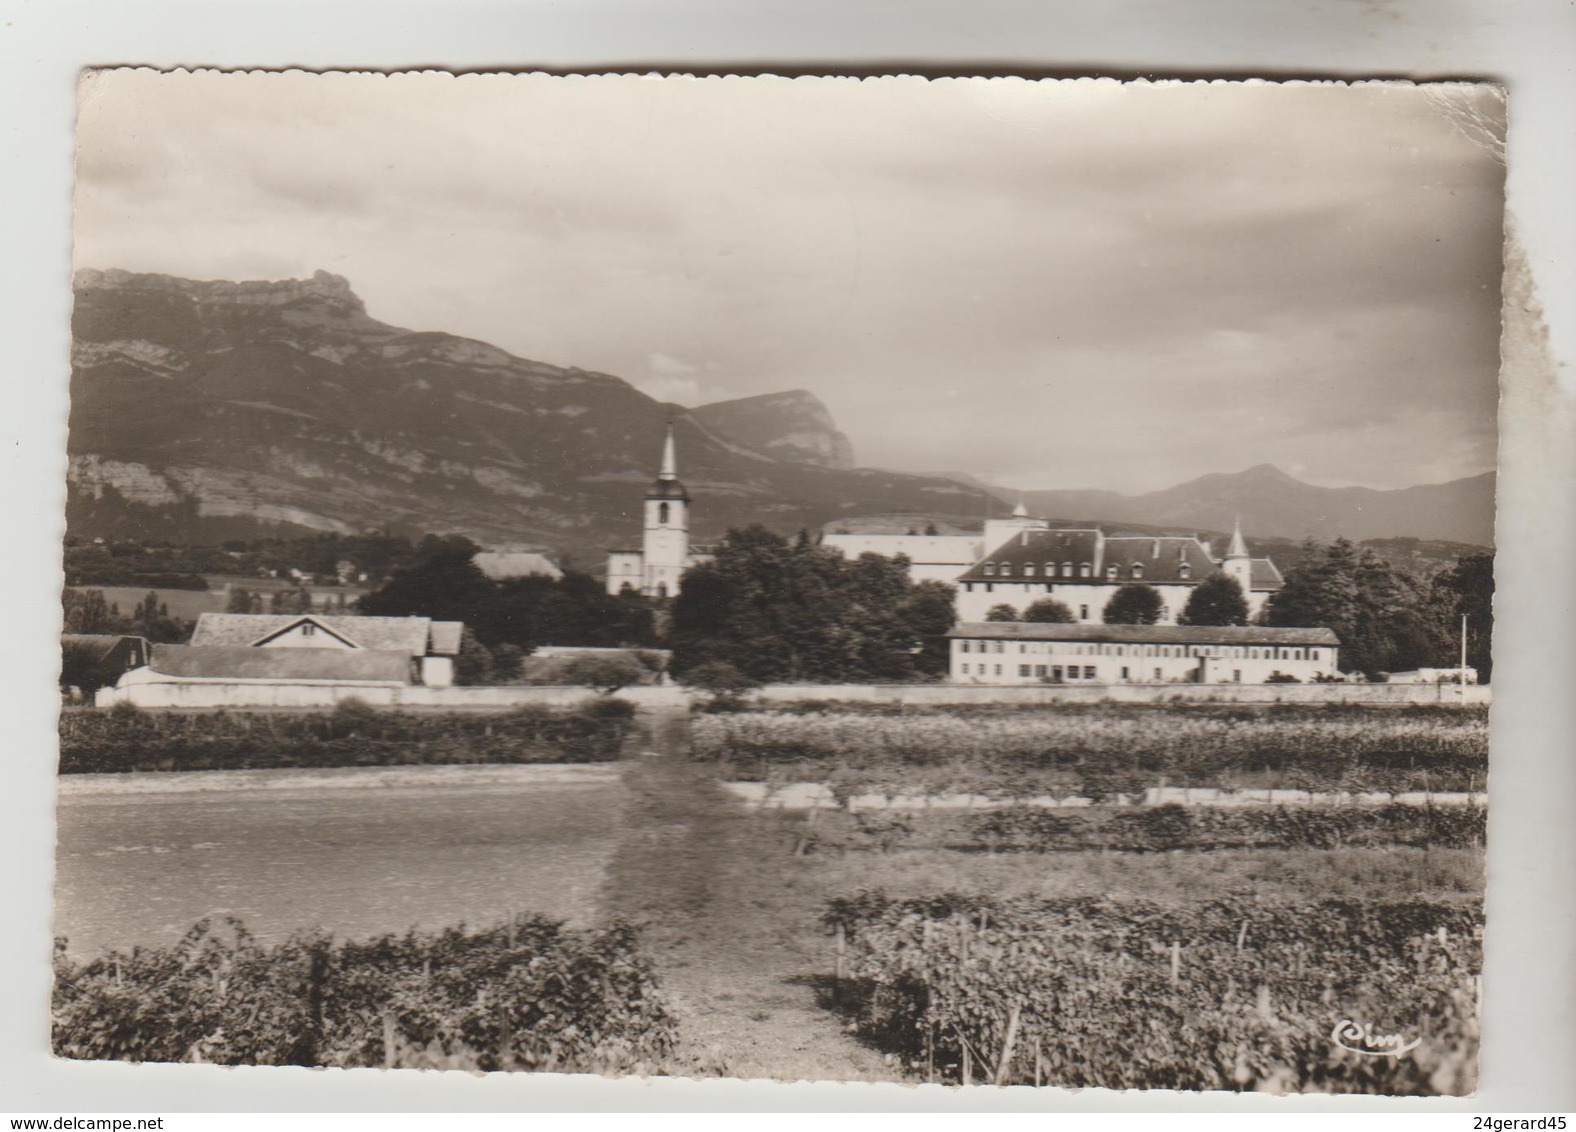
[409, 635]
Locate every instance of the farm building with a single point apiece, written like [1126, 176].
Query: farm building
[1013, 652]
[237, 654]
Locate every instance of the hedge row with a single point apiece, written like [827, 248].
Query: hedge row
[353, 734]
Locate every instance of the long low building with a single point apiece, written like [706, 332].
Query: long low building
[1016, 652]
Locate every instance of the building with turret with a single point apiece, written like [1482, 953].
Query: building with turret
[1019, 560]
[665, 552]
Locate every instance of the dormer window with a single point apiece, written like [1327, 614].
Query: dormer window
[1085, 570]
[1006, 569]
[990, 569]
[1185, 571]
[1067, 569]
[1110, 571]
[1028, 569]
[1138, 569]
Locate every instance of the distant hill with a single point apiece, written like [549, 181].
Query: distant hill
[202, 411]
[1274, 504]
[793, 426]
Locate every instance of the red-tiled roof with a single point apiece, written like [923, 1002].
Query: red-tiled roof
[1144, 634]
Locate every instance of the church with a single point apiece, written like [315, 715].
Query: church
[665, 552]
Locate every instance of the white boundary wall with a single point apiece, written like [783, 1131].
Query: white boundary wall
[214, 694]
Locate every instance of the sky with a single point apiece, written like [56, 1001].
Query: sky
[1044, 284]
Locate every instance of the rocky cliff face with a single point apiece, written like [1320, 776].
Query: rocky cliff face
[208, 410]
[793, 426]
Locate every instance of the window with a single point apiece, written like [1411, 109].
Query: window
[990, 569]
[1085, 570]
[1006, 569]
[1050, 569]
[1124, 672]
[1158, 677]
[1056, 673]
[1028, 569]
[1067, 569]
[1039, 670]
[1236, 675]
[963, 669]
[998, 670]
[662, 589]
[964, 646]
[1185, 571]
[1083, 613]
[1110, 571]
[1023, 670]
[662, 514]
[308, 629]
[996, 646]
[1138, 569]
[1088, 672]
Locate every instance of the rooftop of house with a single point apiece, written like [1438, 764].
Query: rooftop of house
[413, 636]
[1144, 634]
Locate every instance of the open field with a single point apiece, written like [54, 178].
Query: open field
[366, 856]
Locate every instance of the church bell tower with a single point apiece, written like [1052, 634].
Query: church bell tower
[665, 545]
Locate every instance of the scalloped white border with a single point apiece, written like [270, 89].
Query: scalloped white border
[1532, 850]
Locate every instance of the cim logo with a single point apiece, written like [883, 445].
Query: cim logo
[1362, 1039]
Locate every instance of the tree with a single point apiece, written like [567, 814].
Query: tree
[1467, 588]
[244, 601]
[82, 666]
[1049, 611]
[86, 611]
[1217, 600]
[1386, 619]
[473, 664]
[1001, 612]
[1133, 604]
[785, 611]
[609, 672]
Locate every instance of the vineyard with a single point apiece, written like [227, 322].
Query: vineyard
[353, 734]
[1100, 751]
[1231, 995]
[1154, 829]
[528, 995]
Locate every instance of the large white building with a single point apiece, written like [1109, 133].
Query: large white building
[1020, 560]
[665, 552]
[1015, 652]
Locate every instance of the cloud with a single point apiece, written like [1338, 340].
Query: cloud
[1084, 284]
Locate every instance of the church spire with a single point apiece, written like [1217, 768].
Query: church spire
[670, 464]
[1238, 547]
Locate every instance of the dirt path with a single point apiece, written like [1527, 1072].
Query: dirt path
[728, 913]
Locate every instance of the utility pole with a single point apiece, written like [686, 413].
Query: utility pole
[1463, 658]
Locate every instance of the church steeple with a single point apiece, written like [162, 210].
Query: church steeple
[670, 464]
[667, 485]
[1237, 563]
